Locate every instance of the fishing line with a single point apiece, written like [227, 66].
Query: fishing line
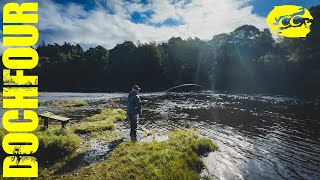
[165, 91]
[176, 87]
[183, 85]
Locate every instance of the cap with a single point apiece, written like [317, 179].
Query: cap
[136, 87]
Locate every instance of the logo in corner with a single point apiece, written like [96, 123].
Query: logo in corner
[290, 21]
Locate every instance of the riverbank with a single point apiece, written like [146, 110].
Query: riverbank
[62, 153]
[243, 126]
[176, 158]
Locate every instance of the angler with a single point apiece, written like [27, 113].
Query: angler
[19, 91]
[134, 110]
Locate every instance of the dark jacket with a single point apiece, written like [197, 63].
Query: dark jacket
[134, 104]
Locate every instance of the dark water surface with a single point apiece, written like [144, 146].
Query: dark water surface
[259, 137]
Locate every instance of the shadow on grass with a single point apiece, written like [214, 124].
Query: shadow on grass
[96, 153]
[72, 164]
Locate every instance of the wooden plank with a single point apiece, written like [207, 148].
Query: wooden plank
[55, 117]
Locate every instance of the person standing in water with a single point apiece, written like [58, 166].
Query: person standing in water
[134, 110]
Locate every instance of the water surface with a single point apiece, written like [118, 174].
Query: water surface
[259, 137]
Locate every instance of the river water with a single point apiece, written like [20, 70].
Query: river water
[259, 137]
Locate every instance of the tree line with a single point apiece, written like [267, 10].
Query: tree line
[245, 60]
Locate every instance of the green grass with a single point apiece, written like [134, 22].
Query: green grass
[100, 122]
[110, 115]
[73, 103]
[107, 136]
[54, 144]
[179, 157]
[100, 126]
[89, 127]
[176, 158]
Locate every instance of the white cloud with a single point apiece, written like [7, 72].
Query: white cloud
[164, 10]
[109, 23]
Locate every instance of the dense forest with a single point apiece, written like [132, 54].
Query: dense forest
[246, 60]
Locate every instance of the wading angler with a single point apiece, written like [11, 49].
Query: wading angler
[20, 92]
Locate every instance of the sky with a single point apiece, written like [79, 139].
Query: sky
[110, 22]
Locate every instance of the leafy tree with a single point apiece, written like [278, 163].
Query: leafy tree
[244, 60]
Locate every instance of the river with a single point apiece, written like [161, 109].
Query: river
[259, 136]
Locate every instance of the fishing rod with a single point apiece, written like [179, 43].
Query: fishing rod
[176, 87]
[165, 91]
[184, 85]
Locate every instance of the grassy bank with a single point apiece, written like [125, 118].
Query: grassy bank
[109, 115]
[61, 150]
[176, 158]
[55, 144]
[179, 157]
[101, 126]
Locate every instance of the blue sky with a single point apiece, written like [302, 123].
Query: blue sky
[109, 22]
[260, 7]
[263, 7]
